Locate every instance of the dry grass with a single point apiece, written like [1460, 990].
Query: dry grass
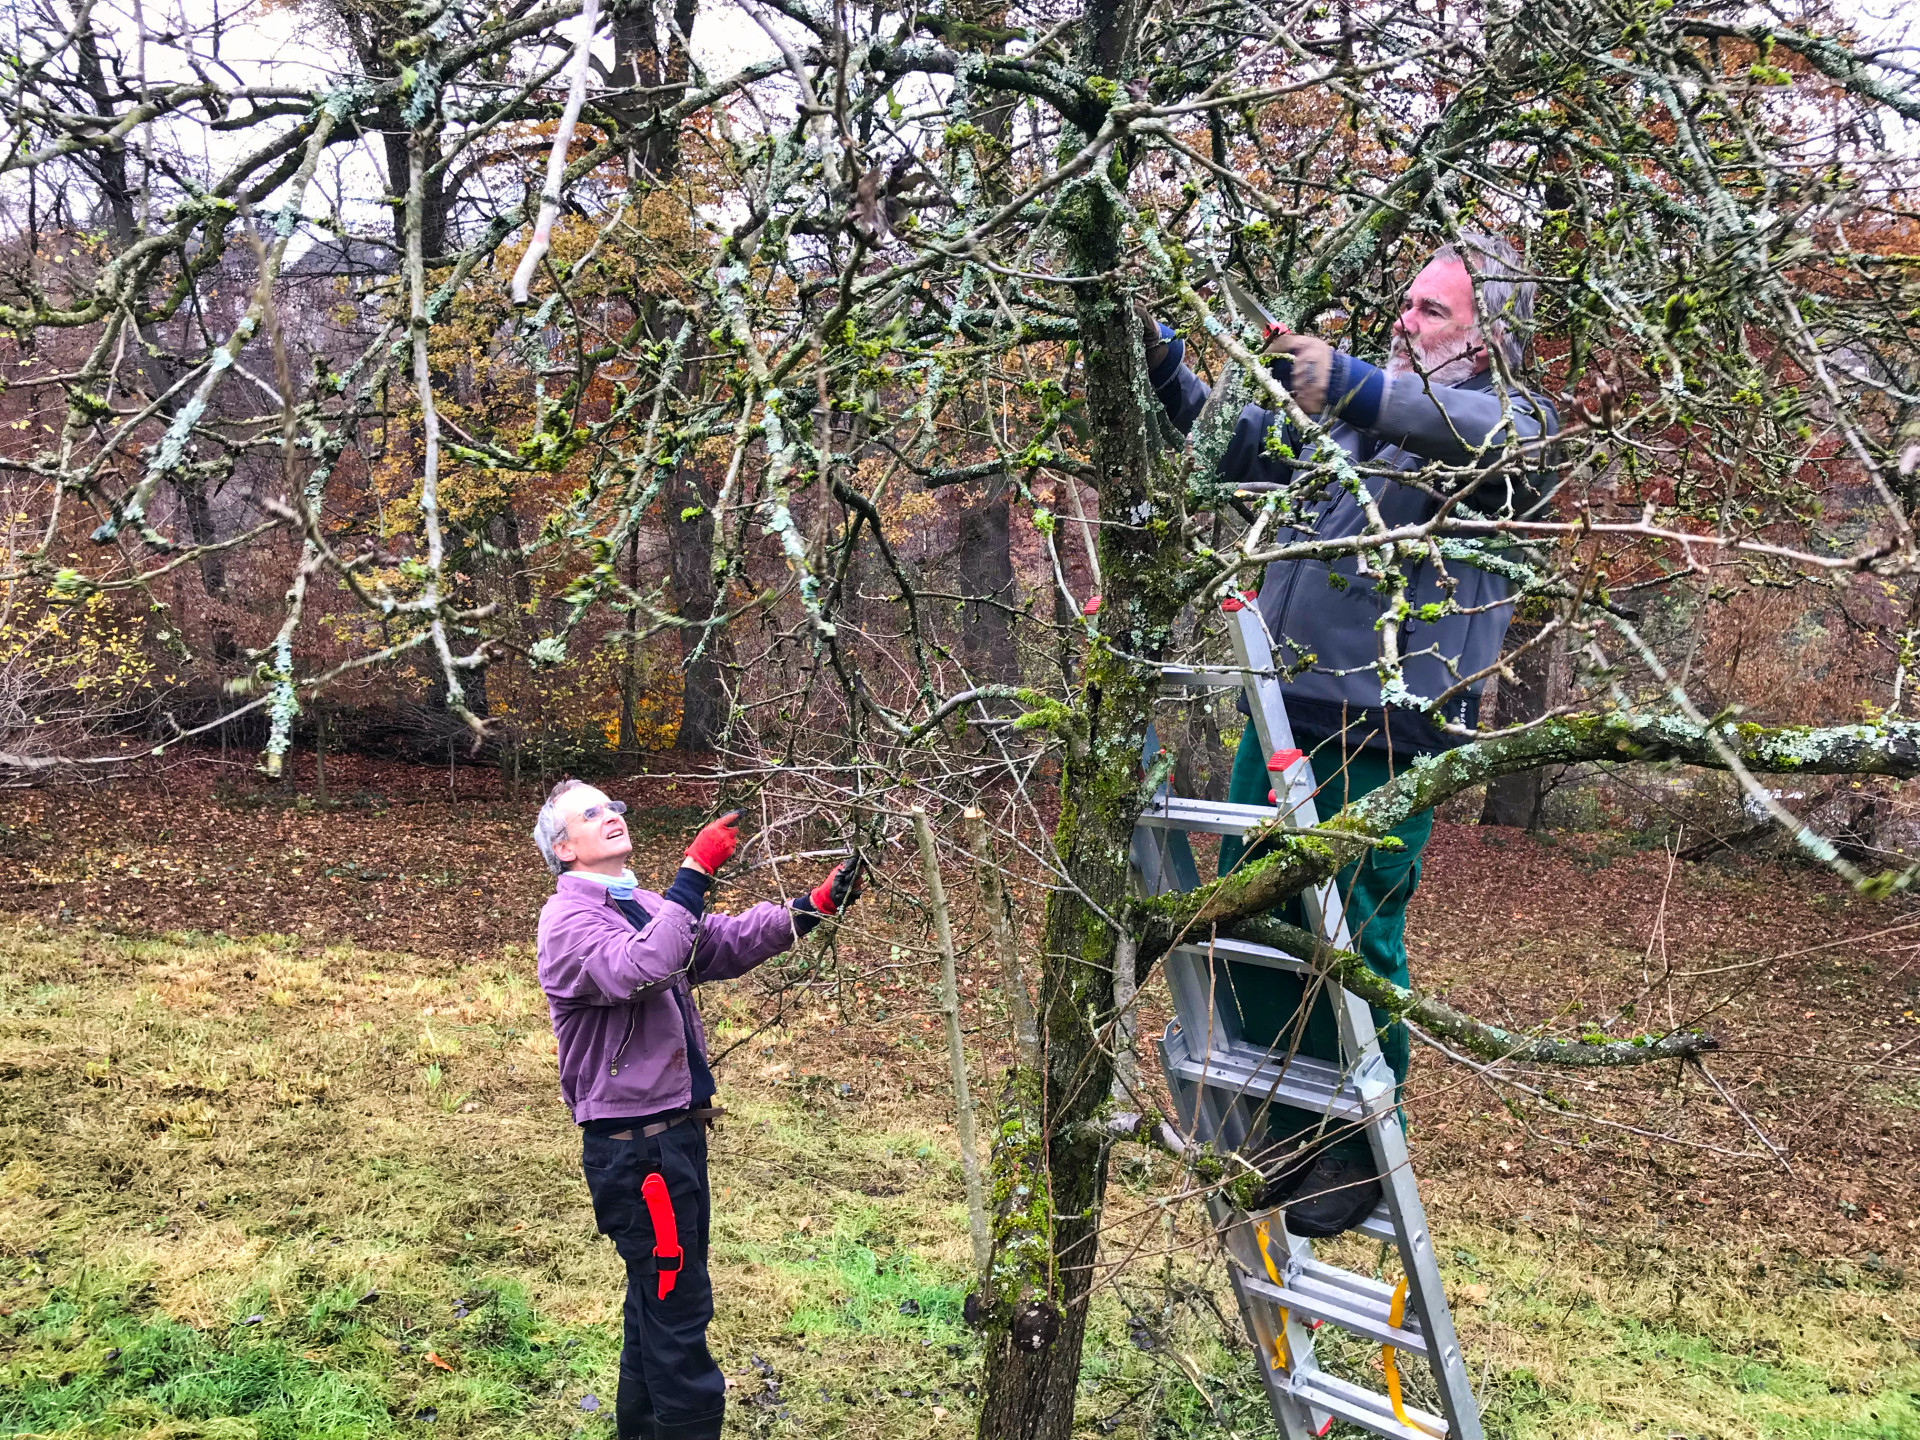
[217, 1152]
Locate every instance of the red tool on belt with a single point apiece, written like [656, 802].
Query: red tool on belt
[666, 1234]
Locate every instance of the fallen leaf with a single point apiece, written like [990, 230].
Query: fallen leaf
[433, 1359]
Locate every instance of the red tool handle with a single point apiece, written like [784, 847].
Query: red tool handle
[666, 1234]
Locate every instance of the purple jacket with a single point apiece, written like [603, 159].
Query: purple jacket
[616, 993]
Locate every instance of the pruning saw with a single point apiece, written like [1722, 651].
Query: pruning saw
[1247, 304]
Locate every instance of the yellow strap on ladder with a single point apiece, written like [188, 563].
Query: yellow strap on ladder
[1281, 1360]
[1388, 1363]
[1396, 1314]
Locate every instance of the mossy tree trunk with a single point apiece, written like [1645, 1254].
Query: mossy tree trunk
[1048, 1227]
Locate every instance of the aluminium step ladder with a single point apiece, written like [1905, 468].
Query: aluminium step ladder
[1222, 1084]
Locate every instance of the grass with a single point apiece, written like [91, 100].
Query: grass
[250, 1187]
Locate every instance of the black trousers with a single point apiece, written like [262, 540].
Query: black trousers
[670, 1387]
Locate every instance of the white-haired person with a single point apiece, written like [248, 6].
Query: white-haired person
[618, 964]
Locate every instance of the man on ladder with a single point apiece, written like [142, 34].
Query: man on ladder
[1436, 401]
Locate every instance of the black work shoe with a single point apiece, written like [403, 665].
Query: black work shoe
[1334, 1195]
[1285, 1170]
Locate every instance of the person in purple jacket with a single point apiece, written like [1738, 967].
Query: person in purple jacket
[618, 964]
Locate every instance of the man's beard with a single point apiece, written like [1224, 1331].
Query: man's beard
[1403, 359]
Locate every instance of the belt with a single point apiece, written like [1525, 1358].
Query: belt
[708, 1113]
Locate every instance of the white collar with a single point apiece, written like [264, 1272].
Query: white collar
[620, 887]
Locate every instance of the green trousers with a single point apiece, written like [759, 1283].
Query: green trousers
[1375, 891]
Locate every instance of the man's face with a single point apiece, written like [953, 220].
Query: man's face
[589, 842]
[1437, 330]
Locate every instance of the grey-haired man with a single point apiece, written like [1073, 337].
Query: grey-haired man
[1435, 405]
[618, 964]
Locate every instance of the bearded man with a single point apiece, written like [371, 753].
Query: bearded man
[1436, 407]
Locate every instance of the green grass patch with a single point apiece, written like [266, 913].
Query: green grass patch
[350, 1362]
[195, 1132]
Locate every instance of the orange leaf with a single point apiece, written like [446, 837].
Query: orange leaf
[433, 1359]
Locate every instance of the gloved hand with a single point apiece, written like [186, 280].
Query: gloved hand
[839, 888]
[1150, 340]
[1310, 368]
[715, 843]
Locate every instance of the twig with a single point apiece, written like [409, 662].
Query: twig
[557, 159]
[1733, 1105]
[956, 1050]
[1489, 1074]
[1026, 1030]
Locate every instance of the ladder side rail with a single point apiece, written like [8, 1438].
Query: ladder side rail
[1253, 649]
[1253, 652]
[1162, 860]
[1426, 1292]
[1201, 1114]
[1266, 1320]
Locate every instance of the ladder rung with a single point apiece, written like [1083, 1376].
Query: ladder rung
[1244, 952]
[1360, 1406]
[1183, 679]
[1305, 1270]
[1379, 1226]
[1363, 1314]
[1305, 1084]
[1214, 817]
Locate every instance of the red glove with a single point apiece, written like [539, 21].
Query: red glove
[838, 888]
[715, 844]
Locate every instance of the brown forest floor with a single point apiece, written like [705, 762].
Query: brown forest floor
[1812, 991]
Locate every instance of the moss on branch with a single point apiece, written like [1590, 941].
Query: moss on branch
[1476, 1037]
[1300, 859]
[1240, 903]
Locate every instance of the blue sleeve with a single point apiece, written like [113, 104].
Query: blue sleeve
[1355, 390]
[1247, 458]
[689, 890]
[805, 915]
[1181, 392]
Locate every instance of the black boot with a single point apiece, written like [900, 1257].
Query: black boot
[633, 1413]
[1334, 1194]
[1286, 1170]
